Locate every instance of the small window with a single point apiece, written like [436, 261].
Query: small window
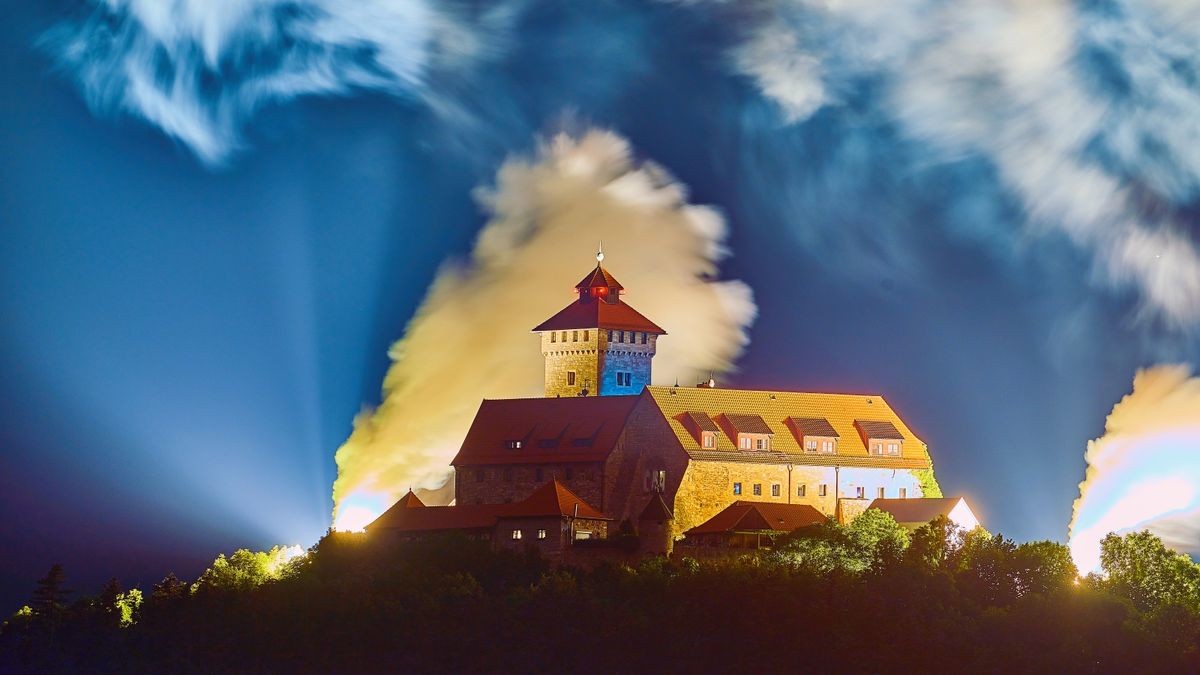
[516, 534]
[574, 336]
[903, 493]
[758, 489]
[745, 442]
[827, 446]
[893, 448]
[660, 481]
[801, 490]
[643, 338]
[586, 333]
[760, 443]
[540, 474]
[860, 492]
[774, 489]
[479, 475]
[877, 448]
[541, 534]
[879, 493]
[570, 378]
[553, 336]
[621, 336]
[610, 336]
[737, 488]
[508, 475]
[823, 490]
[564, 336]
[810, 445]
[514, 444]
[710, 439]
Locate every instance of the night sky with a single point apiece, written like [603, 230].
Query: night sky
[197, 302]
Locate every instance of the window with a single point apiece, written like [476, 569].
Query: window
[660, 481]
[903, 493]
[710, 439]
[564, 336]
[893, 448]
[539, 474]
[774, 489]
[621, 336]
[574, 336]
[514, 444]
[570, 378]
[516, 534]
[758, 489]
[801, 490]
[541, 534]
[610, 336]
[877, 448]
[860, 492]
[508, 475]
[810, 445]
[624, 379]
[827, 446]
[760, 443]
[479, 475]
[879, 493]
[586, 333]
[745, 442]
[643, 338]
[737, 488]
[553, 336]
[823, 489]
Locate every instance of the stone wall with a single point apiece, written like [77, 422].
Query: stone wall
[646, 447]
[578, 353]
[514, 482]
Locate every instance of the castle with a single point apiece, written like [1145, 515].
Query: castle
[605, 447]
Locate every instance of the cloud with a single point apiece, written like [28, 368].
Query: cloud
[200, 69]
[1085, 113]
[471, 338]
[1144, 472]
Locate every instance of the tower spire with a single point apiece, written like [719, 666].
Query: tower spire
[600, 253]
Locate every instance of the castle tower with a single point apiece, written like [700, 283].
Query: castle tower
[598, 345]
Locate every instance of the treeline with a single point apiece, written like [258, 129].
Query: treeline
[865, 598]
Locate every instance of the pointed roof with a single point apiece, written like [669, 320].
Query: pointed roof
[599, 314]
[599, 277]
[922, 510]
[656, 509]
[744, 516]
[552, 499]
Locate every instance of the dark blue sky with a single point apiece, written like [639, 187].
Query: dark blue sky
[184, 344]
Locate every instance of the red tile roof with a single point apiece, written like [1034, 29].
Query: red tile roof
[878, 429]
[743, 516]
[592, 313]
[552, 499]
[571, 429]
[702, 421]
[813, 426]
[920, 510]
[747, 424]
[599, 277]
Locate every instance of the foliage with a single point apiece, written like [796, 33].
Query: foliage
[928, 483]
[952, 601]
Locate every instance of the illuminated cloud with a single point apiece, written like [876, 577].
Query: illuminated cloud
[1144, 472]
[1085, 113]
[471, 337]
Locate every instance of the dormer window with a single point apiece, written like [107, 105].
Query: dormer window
[708, 440]
[748, 432]
[881, 438]
[514, 444]
[814, 434]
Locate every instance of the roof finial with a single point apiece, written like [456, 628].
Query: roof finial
[600, 252]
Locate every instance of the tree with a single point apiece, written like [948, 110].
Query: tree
[877, 538]
[1144, 571]
[170, 588]
[49, 598]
